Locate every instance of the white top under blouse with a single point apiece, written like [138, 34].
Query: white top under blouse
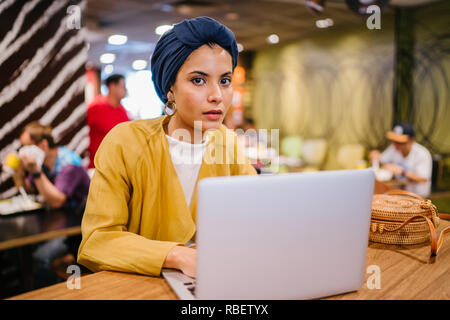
[187, 159]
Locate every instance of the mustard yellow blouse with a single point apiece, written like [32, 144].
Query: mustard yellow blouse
[136, 210]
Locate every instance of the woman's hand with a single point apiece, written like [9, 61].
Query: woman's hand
[184, 259]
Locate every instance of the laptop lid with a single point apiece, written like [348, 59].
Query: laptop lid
[289, 236]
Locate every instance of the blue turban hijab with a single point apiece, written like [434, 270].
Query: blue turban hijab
[175, 46]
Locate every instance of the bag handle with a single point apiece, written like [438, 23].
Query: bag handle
[436, 242]
[404, 193]
[444, 216]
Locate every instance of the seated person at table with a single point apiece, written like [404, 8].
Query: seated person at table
[406, 159]
[62, 183]
[141, 209]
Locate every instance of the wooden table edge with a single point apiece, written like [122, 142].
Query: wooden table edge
[13, 243]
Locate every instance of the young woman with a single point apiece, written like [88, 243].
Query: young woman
[140, 212]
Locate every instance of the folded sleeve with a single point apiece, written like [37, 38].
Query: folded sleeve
[106, 243]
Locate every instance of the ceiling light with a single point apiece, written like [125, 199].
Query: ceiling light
[162, 29]
[325, 23]
[273, 39]
[117, 39]
[139, 64]
[109, 68]
[107, 58]
[321, 24]
[240, 47]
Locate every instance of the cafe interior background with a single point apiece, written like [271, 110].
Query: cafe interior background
[332, 86]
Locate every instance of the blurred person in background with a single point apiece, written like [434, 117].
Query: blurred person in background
[63, 183]
[406, 159]
[105, 112]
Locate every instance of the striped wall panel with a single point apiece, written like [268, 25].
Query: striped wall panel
[42, 74]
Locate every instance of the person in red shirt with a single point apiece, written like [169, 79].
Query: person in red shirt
[105, 112]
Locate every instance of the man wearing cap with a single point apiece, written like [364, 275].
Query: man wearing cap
[406, 159]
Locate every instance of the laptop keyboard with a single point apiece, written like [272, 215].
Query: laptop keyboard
[183, 285]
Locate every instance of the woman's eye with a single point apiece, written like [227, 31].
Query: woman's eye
[197, 81]
[225, 81]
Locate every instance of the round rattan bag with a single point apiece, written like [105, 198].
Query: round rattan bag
[390, 211]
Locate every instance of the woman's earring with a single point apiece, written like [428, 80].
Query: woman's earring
[170, 108]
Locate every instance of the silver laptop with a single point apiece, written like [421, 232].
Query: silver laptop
[287, 236]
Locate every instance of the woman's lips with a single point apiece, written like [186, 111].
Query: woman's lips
[213, 114]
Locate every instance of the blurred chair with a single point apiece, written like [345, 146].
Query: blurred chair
[291, 146]
[350, 155]
[313, 153]
[290, 152]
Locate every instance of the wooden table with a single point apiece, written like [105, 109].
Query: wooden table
[406, 273]
[29, 228]
[23, 230]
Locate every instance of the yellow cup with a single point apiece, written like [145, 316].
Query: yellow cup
[12, 161]
[362, 164]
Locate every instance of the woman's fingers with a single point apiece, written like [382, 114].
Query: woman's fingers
[189, 262]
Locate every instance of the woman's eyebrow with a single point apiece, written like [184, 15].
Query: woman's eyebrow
[205, 74]
[199, 72]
